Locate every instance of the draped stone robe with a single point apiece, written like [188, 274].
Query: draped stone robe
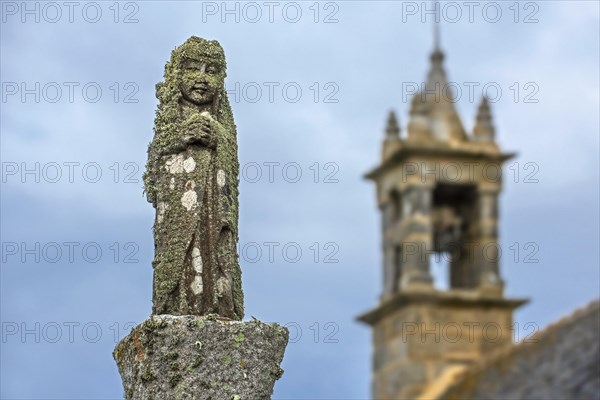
[196, 270]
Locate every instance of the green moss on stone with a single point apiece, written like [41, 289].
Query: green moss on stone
[238, 339]
[174, 379]
[147, 376]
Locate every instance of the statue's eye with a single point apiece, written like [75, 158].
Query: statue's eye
[211, 70]
[191, 65]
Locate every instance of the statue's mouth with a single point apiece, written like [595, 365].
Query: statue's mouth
[200, 88]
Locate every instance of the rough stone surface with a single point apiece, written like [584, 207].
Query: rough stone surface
[201, 358]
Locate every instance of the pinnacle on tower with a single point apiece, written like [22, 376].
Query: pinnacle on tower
[436, 79]
[443, 120]
[392, 129]
[484, 128]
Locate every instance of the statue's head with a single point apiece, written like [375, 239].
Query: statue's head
[196, 73]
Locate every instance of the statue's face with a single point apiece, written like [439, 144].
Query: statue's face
[200, 81]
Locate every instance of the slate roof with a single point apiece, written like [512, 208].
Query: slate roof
[559, 362]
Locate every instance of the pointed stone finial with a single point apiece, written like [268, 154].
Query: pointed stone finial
[436, 78]
[437, 56]
[445, 122]
[436, 29]
[392, 129]
[484, 128]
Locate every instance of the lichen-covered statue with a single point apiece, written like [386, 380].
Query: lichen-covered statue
[192, 181]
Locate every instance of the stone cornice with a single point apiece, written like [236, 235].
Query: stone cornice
[446, 151]
[461, 298]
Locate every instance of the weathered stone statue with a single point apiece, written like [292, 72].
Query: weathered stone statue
[194, 346]
[192, 181]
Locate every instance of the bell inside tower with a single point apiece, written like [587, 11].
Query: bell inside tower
[453, 214]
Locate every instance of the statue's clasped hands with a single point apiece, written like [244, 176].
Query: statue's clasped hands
[198, 130]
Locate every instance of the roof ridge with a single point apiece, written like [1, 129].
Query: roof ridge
[579, 313]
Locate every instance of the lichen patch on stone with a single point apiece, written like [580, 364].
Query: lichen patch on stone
[197, 286]
[221, 178]
[190, 198]
[197, 260]
[162, 208]
[189, 164]
[174, 164]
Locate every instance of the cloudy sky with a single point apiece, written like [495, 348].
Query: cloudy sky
[77, 113]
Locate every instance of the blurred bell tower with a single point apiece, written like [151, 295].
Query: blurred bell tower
[437, 191]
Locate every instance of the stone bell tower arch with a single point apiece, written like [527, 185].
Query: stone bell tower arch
[437, 190]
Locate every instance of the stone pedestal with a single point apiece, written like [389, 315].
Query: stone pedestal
[200, 358]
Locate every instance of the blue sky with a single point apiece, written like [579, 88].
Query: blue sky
[363, 61]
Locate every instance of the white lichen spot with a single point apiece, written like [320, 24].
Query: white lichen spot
[189, 199]
[221, 178]
[161, 209]
[174, 164]
[189, 164]
[172, 183]
[197, 260]
[197, 264]
[197, 285]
